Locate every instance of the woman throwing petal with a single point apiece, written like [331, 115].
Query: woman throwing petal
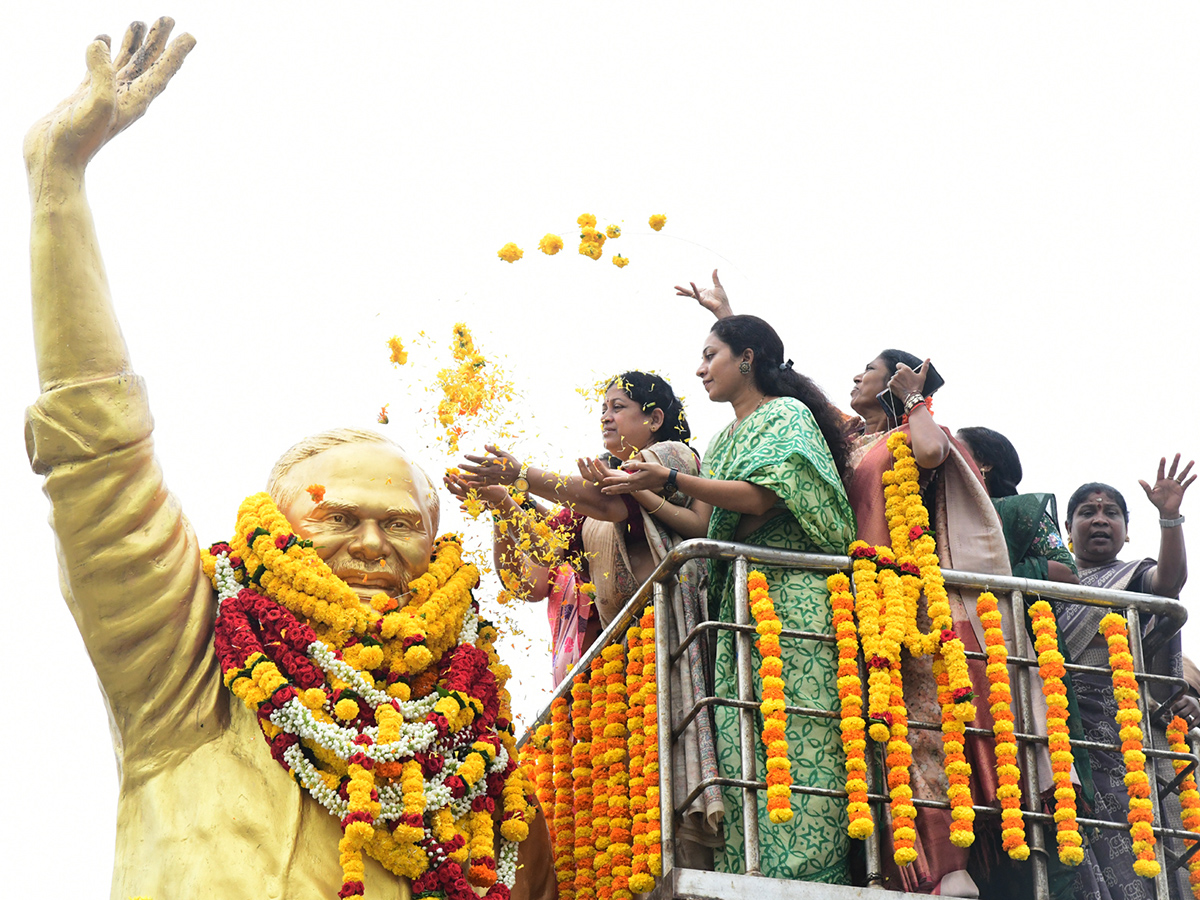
[1097, 522]
[772, 479]
[621, 540]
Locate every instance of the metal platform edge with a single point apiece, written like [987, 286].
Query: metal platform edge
[694, 884]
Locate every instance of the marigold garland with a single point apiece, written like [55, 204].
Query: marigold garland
[650, 768]
[854, 735]
[601, 822]
[1012, 819]
[616, 731]
[1052, 670]
[640, 879]
[1189, 797]
[1129, 717]
[774, 734]
[564, 818]
[585, 850]
[396, 721]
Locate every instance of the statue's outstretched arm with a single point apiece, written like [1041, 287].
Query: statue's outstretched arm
[76, 333]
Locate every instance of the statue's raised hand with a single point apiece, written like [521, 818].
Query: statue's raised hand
[114, 95]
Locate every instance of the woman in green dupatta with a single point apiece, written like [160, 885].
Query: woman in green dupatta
[771, 478]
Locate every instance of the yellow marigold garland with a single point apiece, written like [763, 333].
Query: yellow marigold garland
[650, 767]
[640, 879]
[601, 826]
[774, 734]
[899, 760]
[616, 731]
[1129, 717]
[585, 850]
[1012, 819]
[564, 818]
[1189, 797]
[1052, 670]
[854, 735]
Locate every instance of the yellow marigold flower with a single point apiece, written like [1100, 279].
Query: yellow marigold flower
[510, 252]
[587, 248]
[613, 231]
[399, 354]
[620, 261]
[592, 236]
[550, 244]
[657, 221]
[587, 220]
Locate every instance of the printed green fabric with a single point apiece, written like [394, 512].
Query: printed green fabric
[780, 447]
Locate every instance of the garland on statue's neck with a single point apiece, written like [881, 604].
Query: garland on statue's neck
[396, 720]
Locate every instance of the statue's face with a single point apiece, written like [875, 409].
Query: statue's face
[373, 527]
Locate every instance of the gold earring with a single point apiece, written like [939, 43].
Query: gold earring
[744, 368]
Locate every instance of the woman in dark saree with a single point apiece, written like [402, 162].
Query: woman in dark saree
[1097, 519]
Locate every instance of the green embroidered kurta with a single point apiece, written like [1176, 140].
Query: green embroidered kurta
[780, 447]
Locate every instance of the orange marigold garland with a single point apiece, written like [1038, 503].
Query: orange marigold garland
[585, 850]
[1129, 717]
[564, 819]
[1189, 797]
[616, 731]
[1012, 819]
[854, 735]
[601, 822]
[640, 879]
[650, 767]
[1052, 670]
[774, 735]
[899, 760]
[544, 773]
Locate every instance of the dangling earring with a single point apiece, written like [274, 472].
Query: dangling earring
[744, 368]
[1127, 539]
[1070, 546]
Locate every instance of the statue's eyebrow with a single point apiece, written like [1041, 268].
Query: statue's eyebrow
[392, 512]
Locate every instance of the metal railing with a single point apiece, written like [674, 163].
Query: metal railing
[1169, 616]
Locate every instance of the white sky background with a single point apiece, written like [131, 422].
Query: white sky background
[1013, 192]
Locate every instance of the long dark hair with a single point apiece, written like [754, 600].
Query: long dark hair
[775, 377]
[992, 449]
[651, 392]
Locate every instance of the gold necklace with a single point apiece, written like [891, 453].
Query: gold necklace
[737, 423]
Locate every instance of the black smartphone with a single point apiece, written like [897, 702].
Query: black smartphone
[894, 406]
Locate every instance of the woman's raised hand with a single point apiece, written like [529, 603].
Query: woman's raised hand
[498, 467]
[1168, 489]
[907, 381]
[115, 94]
[491, 495]
[714, 299]
[592, 470]
[635, 475]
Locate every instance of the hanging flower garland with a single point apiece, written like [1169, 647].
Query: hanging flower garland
[640, 879]
[1137, 782]
[544, 775]
[616, 732]
[1189, 798]
[564, 818]
[854, 735]
[1012, 819]
[650, 767]
[899, 760]
[774, 734]
[581, 774]
[601, 822]
[346, 699]
[1052, 670]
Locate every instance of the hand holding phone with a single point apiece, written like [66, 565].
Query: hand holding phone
[923, 379]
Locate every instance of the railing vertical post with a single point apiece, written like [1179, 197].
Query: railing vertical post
[666, 768]
[745, 681]
[1029, 763]
[1134, 625]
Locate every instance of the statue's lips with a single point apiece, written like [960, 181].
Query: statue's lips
[379, 581]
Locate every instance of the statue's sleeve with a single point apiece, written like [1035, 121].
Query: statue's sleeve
[129, 567]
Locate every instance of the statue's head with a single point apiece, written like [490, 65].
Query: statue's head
[376, 523]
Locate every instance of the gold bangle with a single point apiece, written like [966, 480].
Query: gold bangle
[660, 506]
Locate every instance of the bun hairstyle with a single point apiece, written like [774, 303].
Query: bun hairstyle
[651, 392]
[1095, 487]
[994, 451]
[775, 377]
[894, 357]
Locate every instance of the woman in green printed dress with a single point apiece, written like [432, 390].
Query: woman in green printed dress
[771, 478]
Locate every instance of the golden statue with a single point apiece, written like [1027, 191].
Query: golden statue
[204, 810]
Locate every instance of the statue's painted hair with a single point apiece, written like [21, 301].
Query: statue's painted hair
[285, 494]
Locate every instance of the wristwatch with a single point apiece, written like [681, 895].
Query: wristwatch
[1171, 523]
[522, 482]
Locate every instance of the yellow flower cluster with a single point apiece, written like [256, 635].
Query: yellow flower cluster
[657, 221]
[472, 390]
[620, 261]
[586, 220]
[774, 734]
[510, 252]
[399, 355]
[550, 244]
[613, 231]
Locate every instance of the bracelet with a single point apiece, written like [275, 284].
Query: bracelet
[660, 506]
[1171, 523]
[913, 400]
[670, 485]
